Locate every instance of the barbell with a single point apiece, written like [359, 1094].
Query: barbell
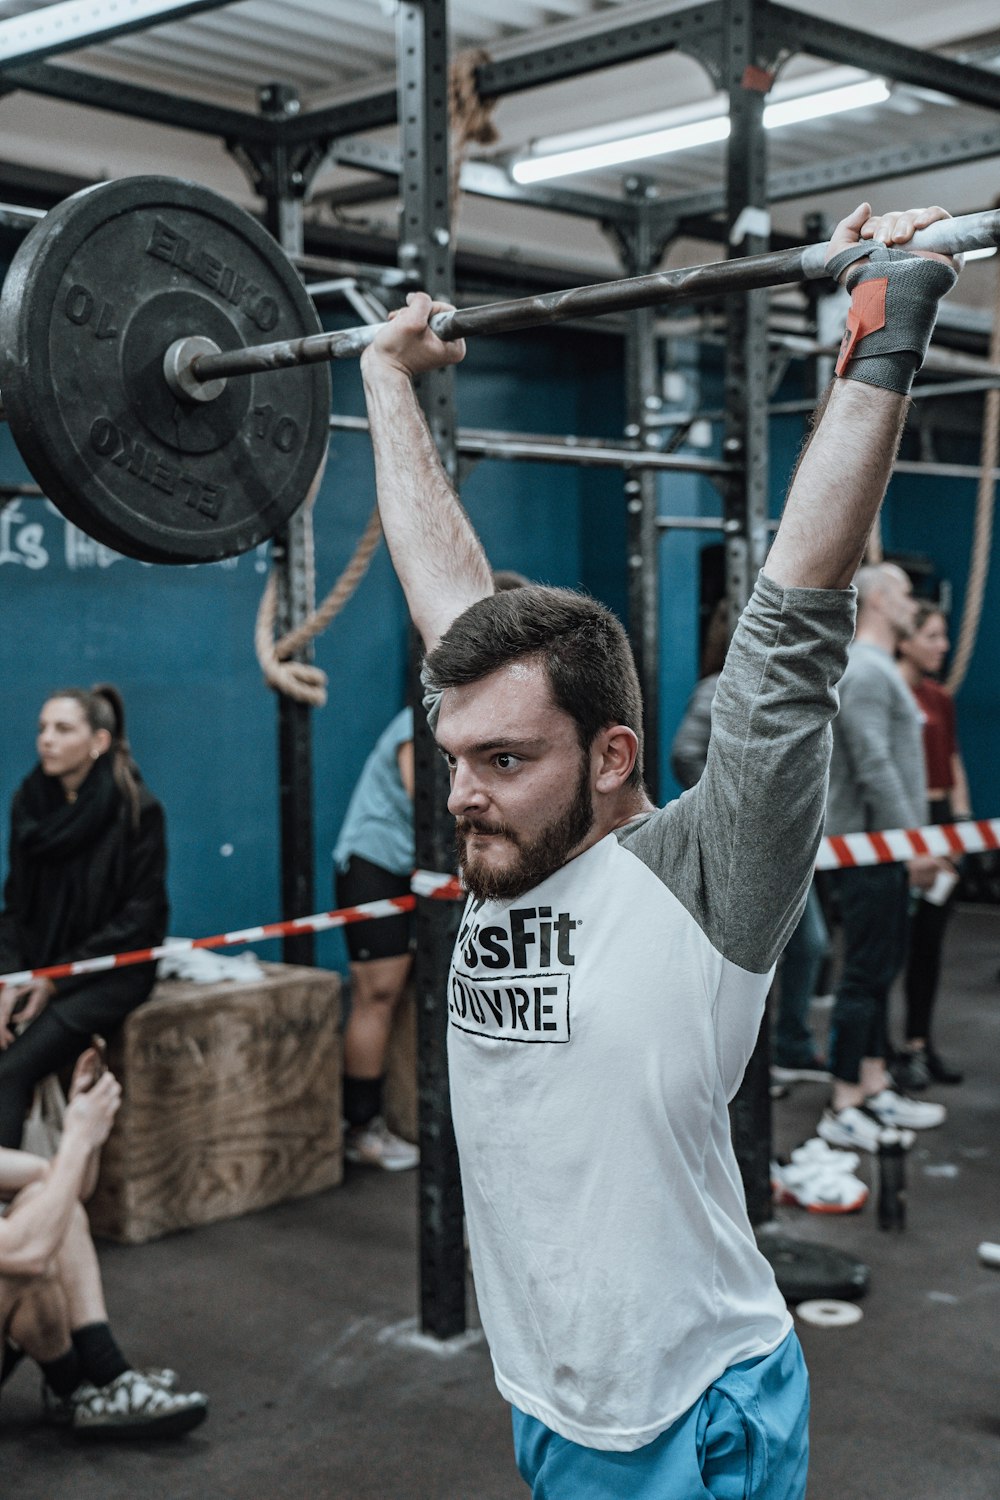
[144, 403]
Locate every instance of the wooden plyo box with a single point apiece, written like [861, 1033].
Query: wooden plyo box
[231, 1102]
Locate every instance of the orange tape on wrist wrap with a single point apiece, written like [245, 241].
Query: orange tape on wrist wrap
[866, 315]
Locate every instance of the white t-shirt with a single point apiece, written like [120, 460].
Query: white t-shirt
[599, 1024]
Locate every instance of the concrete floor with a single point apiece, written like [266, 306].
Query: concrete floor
[299, 1322]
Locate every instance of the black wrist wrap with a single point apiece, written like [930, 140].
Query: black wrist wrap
[894, 300]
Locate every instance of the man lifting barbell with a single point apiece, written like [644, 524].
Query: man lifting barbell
[614, 959]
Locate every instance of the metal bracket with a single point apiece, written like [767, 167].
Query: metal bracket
[279, 168]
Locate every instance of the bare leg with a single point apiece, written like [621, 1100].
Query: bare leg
[874, 1078]
[39, 1322]
[79, 1274]
[33, 1309]
[376, 989]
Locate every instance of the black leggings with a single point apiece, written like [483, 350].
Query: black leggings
[923, 968]
[45, 1047]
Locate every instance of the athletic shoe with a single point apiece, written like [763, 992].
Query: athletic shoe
[939, 1069]
[11, 1356]
[856, 1127]
[57, 1411]
[910, 1114]
[820, 1153]
[133, 1407]
[911, 1070]
[813, 1071]
[820, 1189]
[374, 1145]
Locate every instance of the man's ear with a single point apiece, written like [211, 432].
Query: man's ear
[614, 750]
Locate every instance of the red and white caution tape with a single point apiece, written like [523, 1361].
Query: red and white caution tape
[836, 852]
[845, 850]
[424, 883]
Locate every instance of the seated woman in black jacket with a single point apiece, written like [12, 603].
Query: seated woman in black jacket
[87, 877]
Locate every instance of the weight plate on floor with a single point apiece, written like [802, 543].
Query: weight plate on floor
[95, 295]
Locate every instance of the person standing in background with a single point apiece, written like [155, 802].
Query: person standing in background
[373, 859]
[921, 657]
[876, 782]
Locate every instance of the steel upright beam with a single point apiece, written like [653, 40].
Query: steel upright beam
[283, 217]
[641, 252]
[745, 499]
[426, 249]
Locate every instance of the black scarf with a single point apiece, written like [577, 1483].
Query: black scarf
[49, 828]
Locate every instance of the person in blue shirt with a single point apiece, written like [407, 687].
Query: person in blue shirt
[374, 859]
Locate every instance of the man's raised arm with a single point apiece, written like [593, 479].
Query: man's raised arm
[841, 478]
[437, 556]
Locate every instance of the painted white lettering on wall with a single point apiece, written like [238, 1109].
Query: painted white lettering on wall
[29, 543]
[20, 539]
[82, 551]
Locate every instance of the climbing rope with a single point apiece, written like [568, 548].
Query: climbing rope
[296, 679]
[470, 117]
[982, 535]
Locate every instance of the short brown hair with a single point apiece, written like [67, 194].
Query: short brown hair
[581, 644]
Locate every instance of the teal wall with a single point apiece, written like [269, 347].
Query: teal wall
[179, 641]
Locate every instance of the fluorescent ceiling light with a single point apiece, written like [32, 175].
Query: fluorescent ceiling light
[615, 153]
[830, 102]
[701, 132]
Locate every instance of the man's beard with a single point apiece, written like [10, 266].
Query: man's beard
[536, 858]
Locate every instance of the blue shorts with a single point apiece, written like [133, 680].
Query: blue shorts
[746, 1438]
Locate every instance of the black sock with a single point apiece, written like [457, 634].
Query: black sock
[99, 1355]
[362, 1099]
[64, 1374]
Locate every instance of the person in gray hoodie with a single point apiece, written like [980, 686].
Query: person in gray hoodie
[876, 783]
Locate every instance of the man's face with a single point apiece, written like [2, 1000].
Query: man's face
[898, 603]
[520, 783]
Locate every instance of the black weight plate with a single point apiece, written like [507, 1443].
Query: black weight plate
[95, 295]
[805, 1271]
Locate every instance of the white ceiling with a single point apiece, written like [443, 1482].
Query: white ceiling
[331, 49]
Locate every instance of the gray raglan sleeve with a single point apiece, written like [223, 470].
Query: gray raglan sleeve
[738, 849]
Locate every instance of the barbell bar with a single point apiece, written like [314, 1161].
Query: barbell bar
[128, 309]
[188, 365]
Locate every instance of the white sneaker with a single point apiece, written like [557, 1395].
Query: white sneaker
[856, 1127]
[820, 1189]
[814, 1072]
[901, 1111]
[134, 1407]
[820, 1153]
[374, 1145]
[58, 1411]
